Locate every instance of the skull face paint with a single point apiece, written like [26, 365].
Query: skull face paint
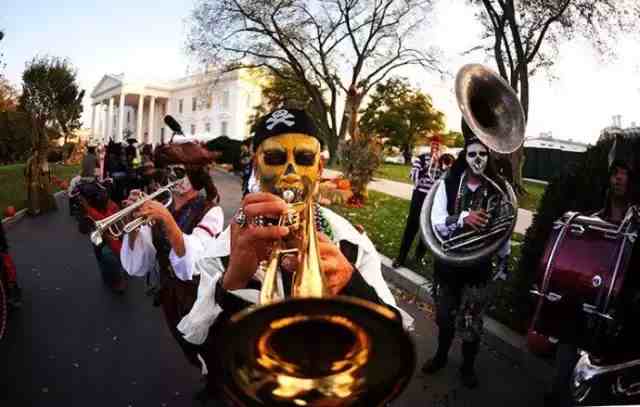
[477, 157]
[289, 161]
[178, 172]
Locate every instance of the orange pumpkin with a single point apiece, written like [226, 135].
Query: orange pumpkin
[344, 184]
[9, 211]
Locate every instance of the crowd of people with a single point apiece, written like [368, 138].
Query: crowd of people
[203, 273]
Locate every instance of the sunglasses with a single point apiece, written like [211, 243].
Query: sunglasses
[473, 154]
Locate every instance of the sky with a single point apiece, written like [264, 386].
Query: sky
[145, 38]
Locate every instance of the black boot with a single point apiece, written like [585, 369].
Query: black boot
[467, 371]
[445, 338]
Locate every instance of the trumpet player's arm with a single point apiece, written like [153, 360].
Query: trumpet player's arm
[189, 247]
[444, 223]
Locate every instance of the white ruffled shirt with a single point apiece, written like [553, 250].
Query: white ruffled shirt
[195, 325]
[439, 215]
[142, 258]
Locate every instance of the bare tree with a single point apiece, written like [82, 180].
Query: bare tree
[334, 48]
[524, 36]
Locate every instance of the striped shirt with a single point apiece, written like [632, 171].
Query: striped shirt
[422, 178]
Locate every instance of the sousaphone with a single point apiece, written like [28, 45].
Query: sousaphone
[493, 112]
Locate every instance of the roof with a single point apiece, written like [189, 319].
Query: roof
[555, 144]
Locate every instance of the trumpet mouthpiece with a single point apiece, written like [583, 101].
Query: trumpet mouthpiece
[96, 238]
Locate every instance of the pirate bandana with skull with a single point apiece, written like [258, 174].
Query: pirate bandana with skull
[287, 153]
[477, 157]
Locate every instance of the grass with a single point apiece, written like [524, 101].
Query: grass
[394, 172]
[383, 218]
[13, 191]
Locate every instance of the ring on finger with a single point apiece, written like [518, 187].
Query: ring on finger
[240, 218]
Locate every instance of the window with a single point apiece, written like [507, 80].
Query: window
[225, 99]
[162, 135]
[128, 117]
[207, 127]
[209, 101]
[193, 129]
[180, 106]
[194, 104]
[223, 128]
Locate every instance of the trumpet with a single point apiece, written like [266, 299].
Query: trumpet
[312, 348]
[118, 223]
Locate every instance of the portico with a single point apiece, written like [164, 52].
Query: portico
[124, 109]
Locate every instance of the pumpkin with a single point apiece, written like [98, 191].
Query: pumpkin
[344, 184]
[9, 211]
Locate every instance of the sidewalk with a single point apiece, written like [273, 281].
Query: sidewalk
[404, 191]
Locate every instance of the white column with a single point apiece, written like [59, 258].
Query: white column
[152, 124]
[110, 118]
[103, 124]
[93, 120]
[121, 118]
[139, 113]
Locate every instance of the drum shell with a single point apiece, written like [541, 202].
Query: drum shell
[579, 280]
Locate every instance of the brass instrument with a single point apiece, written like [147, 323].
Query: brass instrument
[493, 112]
[120, 222]
[311, 349]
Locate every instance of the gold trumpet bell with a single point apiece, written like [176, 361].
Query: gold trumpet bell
[338, 351]
[313, 349]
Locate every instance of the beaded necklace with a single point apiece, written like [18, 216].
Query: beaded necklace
[322, 224]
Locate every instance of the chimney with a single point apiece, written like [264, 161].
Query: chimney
[617, 120]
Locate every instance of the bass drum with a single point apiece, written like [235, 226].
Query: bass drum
[579, 281]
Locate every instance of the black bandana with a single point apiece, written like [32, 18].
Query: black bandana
[284, 121]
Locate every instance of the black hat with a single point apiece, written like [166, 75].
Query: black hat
[284, 121]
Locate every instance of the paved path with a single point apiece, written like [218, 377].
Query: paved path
[74, 343]
[404, 191]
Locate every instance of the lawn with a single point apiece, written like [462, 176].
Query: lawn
[384, 217]
[13, 191]
[400, 173]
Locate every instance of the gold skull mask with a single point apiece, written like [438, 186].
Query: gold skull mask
[289, 161]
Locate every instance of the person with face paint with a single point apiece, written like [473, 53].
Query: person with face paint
[461, 292]
[287, 158]
[425, 171]
[178, 235]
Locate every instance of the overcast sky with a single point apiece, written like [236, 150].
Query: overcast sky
[145, 38]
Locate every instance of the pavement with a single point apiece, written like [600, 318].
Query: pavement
[404, 191]
[74, 343]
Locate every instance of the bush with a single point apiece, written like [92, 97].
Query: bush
[230, 150]
[67, 149]
[15, 137]
[360, 159]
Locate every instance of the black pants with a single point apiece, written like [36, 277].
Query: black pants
[412, 227]
[566, 359]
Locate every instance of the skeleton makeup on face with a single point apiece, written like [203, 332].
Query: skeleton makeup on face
[477, 157]
[289, 161]
[178, 172]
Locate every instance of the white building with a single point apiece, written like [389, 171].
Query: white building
[123, 107]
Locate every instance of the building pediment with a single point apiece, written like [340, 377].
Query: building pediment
[107, 83]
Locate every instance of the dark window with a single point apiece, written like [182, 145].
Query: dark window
[194, 104]
[193, 129]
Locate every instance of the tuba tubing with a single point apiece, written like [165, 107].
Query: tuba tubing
[441, 248]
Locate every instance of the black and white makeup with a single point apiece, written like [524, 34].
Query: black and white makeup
[477, 158]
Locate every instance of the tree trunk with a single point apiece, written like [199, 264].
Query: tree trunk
[406, 154]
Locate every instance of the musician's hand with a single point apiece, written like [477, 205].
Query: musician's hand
[477, 219]
[134, 196]
[335, 267]
[250, 244]
[155, 211]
